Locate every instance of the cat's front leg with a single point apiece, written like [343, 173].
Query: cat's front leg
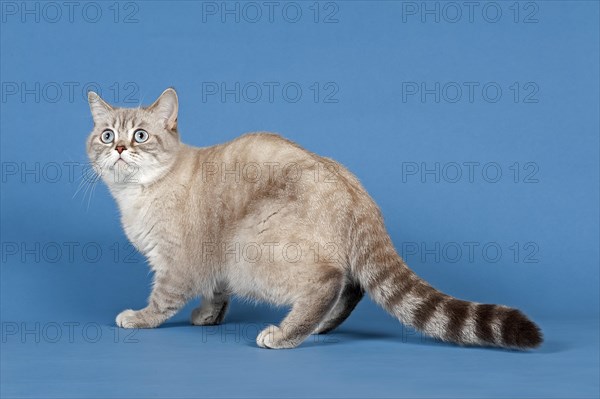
[168, 296]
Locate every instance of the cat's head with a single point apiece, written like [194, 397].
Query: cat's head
[130, 146]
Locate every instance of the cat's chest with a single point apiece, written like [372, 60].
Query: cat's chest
[139, 226]
[144, 219]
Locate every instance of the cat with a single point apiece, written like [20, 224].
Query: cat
[262, 218]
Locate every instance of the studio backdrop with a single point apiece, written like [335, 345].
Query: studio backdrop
[473, 125]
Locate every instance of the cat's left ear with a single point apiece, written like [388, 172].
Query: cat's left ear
[166, 107]
[100, 108]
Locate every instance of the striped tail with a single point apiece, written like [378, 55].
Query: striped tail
[401, 292]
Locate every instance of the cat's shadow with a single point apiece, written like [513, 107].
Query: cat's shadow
[176, 324]
[349, 336]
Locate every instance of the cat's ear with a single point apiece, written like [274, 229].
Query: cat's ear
[100, 108]
[166, 107]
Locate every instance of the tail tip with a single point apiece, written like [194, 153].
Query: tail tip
[520, 332]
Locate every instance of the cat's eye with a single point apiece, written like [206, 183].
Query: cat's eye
[140, 136]
[107, 136]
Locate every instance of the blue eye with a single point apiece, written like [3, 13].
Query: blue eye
[140, 136]
[107, 136]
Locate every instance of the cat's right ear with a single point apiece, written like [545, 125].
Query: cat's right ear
[100, 108]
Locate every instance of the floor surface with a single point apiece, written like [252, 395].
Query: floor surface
[371, 355]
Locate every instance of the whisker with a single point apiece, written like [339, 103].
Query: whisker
[91, 195]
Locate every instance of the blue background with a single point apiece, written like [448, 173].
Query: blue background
[369, 57]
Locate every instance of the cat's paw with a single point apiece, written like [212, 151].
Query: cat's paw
[134, 319]
[206, 316]
[272, 337]
[126, 319]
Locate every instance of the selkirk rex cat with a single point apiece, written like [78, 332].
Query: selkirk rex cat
[262, 218]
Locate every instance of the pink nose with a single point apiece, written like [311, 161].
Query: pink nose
[120, 148]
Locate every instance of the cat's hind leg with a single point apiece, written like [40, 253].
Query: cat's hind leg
[349, 298]
[306, 313]
[211, 311]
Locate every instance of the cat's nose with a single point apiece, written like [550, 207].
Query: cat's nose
[120, 148]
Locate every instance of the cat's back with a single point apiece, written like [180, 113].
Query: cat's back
[263, 147]
[269, 153]
[265, 157]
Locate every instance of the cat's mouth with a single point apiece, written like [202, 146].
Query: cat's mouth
[120, 161]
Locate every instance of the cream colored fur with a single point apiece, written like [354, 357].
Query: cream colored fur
[258, 217]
